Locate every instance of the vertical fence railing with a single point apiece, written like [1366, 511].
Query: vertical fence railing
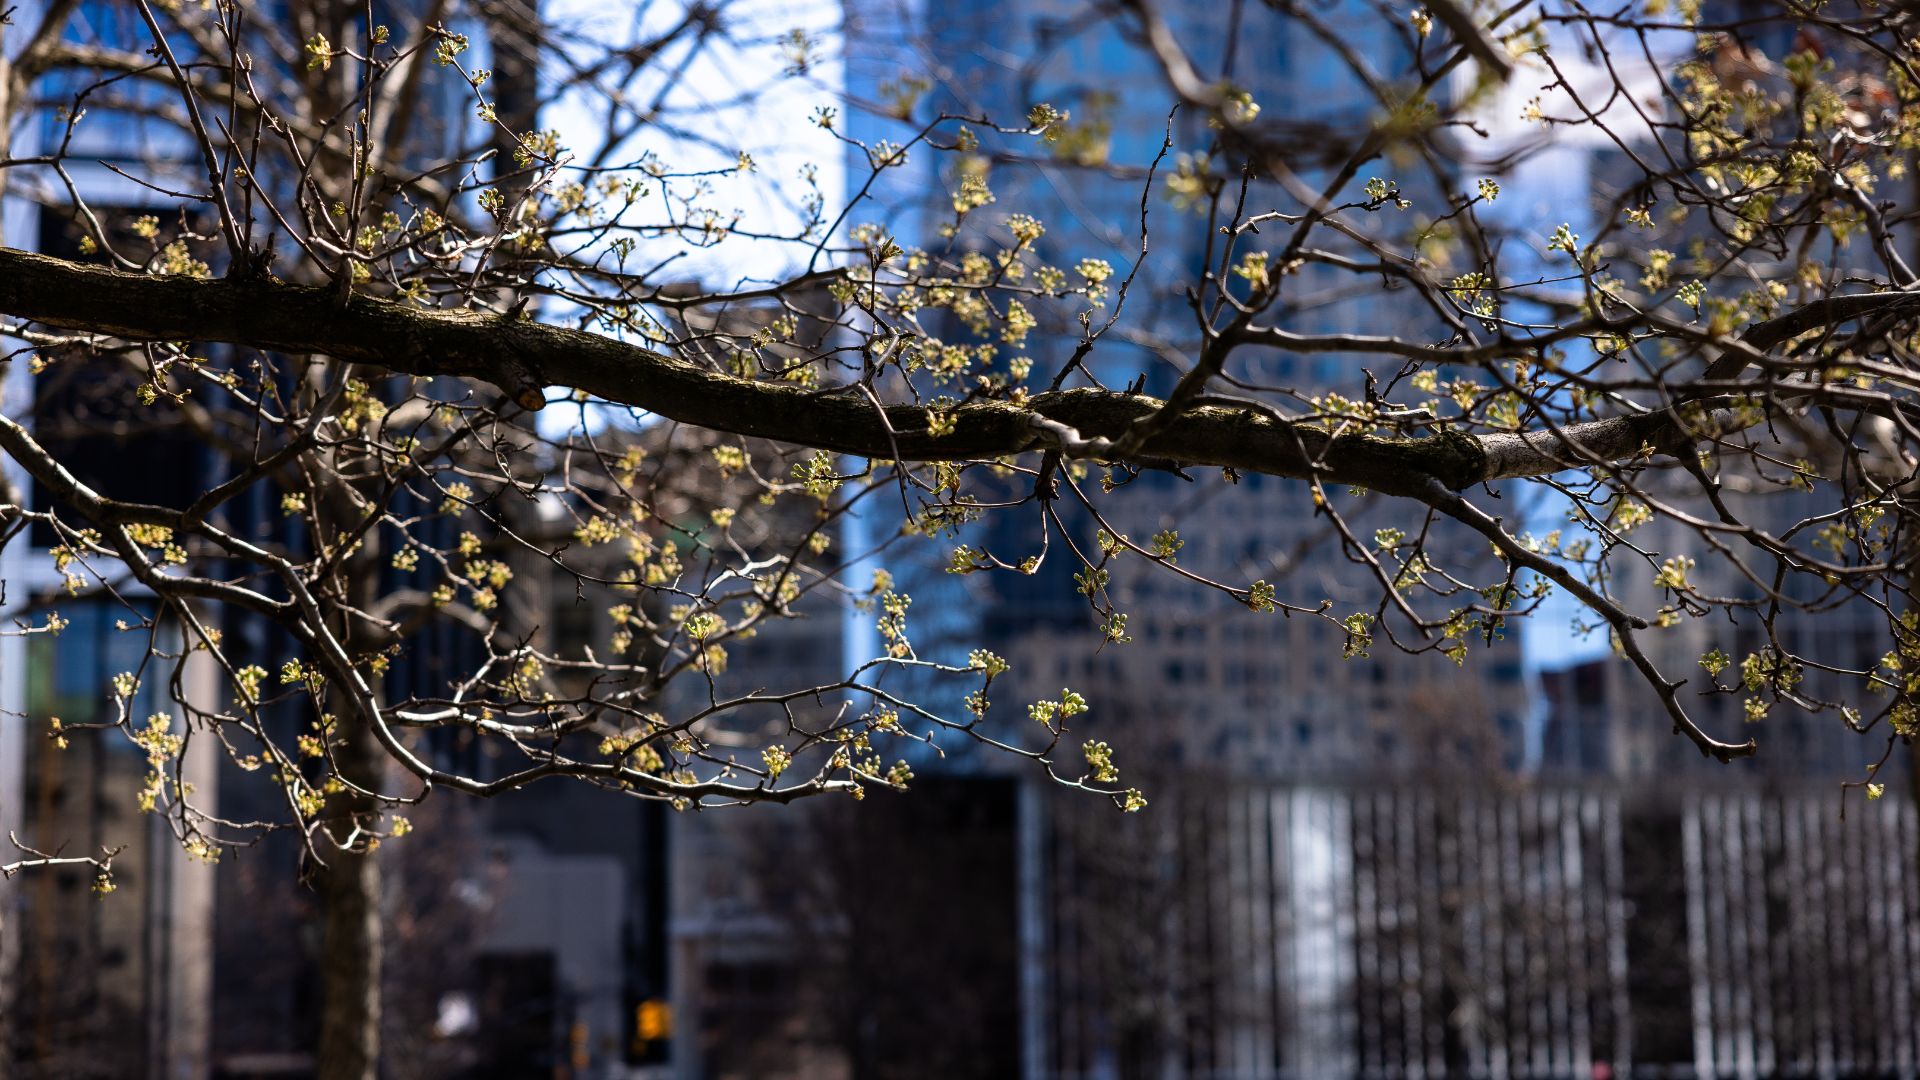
[1426, 932]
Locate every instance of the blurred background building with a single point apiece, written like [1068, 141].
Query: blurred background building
[522, 944]
[1389, 868]
[1392, 868]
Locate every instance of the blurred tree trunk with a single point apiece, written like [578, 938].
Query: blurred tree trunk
[351, 954]
[352, 932]
[352, 924]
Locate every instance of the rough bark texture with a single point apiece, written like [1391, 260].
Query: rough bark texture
[352, 930]
[521, 357]
[353, 925]
[351, 948]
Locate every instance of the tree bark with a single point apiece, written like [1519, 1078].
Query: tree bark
[523, 357]
[352, 951]
[352, 920]
[352, 929]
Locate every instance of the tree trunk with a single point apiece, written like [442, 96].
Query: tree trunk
[352, 926]
[351, 954]
[352, 932]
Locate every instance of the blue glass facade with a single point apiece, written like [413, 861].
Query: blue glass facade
[1217, 687]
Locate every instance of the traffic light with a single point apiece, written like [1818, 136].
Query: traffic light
[652, 1031]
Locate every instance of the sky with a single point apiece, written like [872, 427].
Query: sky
[752, 53]
[756, 52]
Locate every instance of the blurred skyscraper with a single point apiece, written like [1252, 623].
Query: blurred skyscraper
[1343, 871]
[546, 939]
[1206, 686]
[88, 988]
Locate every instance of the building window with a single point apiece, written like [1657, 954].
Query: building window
[85, 413]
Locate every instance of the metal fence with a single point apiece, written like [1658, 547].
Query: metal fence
[1237, 931]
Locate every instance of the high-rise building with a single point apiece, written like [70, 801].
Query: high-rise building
[88, 987]
[1205, 686]
[1600, 715]
[1209, 698]
[1603, 719]
[1315, 889]
[185, 969]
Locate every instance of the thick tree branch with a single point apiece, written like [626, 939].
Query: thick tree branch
[522, 357]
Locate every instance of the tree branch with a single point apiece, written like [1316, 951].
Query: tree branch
[521, 357]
